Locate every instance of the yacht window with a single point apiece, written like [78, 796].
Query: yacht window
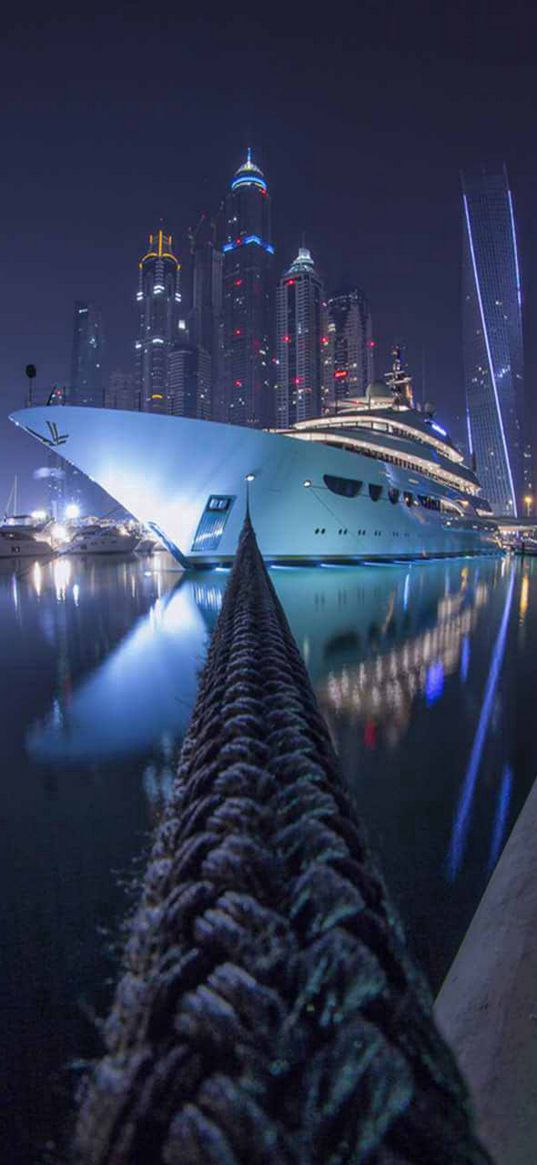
[375, 492]
[347, 487]
[212, 522]
[393, 495]
[409, 497]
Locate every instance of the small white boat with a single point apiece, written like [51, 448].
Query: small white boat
[22, 542]
[100, 540]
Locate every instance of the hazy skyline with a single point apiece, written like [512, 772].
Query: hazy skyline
[115, 122]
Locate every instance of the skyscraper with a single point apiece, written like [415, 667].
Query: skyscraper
[205, 316]
[121, 391]
[348, 347]
[158, 299]
[245, 382]
[87, 358]
[190, 380]
[492, 338]
[300, 314]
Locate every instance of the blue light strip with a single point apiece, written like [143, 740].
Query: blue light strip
[249, 181]
[500, 820]
[489, 353]
[518, 283]
[246, 241]
[469, 427]
[461, 823]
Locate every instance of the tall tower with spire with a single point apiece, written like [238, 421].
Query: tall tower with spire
[300, 320]
[158, 299]
[245, 389]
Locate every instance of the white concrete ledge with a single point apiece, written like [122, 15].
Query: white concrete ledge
[487, 1007]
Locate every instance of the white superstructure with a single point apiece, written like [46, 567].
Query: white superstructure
[377, 481]
[100, 539]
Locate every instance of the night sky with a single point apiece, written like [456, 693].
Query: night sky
[361, 118]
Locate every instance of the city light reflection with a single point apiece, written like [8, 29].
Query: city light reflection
[461, 822]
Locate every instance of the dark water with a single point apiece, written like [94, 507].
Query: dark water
[424, 674]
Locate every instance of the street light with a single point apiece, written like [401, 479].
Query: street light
[527, 502]
[249, 478]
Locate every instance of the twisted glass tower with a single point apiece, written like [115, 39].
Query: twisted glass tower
[492, 339]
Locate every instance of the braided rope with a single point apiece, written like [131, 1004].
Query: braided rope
[268, 1010]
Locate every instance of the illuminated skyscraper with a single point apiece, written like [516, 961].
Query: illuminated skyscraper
[492, 337]
[245, 382]
[300, 315]
[190, 380]
[158, 299]
[347, 347]
[205, 315]
[87, 359]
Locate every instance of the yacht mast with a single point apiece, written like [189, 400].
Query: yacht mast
[399, 379]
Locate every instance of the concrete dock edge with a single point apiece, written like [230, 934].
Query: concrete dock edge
[487, 1007]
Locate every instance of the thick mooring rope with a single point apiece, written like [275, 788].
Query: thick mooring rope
[268, 1011]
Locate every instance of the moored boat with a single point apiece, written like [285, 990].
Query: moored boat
[377, 480]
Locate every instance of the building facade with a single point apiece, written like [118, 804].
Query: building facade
[492, 340]
[159, 300]
[86, 386]
[190, 369]
[300, 329]
[348, 347]
[121, 391]
[245, 386]
[205, 314]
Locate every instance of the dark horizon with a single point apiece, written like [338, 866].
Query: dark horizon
[362, 134]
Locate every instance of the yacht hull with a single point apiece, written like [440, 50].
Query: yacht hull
[187, 481]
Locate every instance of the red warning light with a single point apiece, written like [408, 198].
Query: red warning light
[371, 343]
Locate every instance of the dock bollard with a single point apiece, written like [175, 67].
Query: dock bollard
[268, 1011]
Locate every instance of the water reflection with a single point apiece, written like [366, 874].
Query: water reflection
[424, 674]
[368, 654]
[140, 696]
[388, 650]
[463, 814]
[409, 668]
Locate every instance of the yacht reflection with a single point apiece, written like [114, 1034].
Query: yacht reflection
[380, 689]
[373, 640]
[141, 692]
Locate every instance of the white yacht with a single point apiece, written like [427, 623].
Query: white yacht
[25, 535]
[99, 539]
[22, 542]
[377, 480]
